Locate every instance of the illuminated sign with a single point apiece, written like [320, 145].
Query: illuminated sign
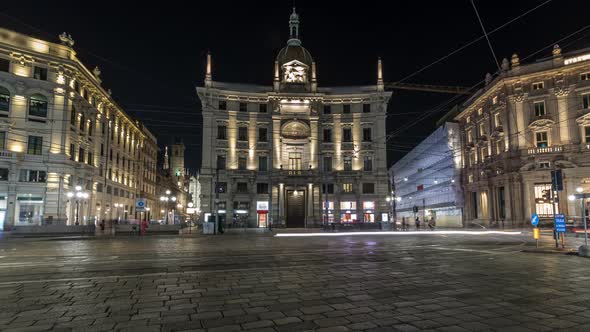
[575, 59]
[262, 206]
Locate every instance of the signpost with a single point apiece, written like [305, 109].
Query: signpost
[560, 228]
[536, 231]
[557, 186]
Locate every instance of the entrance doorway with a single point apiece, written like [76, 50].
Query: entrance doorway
[295, 216]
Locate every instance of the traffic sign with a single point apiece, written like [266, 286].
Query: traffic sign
[140, 204]
[534, 220]
[560, 223]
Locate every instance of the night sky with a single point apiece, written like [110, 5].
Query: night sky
[153, 56]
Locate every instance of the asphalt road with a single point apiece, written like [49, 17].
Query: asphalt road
[263, 283]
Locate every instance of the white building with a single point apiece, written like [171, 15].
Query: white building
[293, 151]
[427, 179]
[68, 152]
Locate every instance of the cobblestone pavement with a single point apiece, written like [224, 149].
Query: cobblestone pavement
[263, 283]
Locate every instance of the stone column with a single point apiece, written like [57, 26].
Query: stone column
[276, 141]
[562, 111]
[518, 102]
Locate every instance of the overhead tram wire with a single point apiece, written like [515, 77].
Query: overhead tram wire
[486, 35]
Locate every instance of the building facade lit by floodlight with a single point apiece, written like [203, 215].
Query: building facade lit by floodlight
[294, 152]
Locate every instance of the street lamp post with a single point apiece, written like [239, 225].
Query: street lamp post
[80, 195]
[583, 250]
[167, 199]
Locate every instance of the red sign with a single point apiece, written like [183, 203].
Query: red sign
[420, 187]
[262, 211]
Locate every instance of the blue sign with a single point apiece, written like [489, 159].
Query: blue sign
[560, 223]
[534, 220]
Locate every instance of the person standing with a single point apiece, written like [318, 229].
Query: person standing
[144, 227]
[417, 223]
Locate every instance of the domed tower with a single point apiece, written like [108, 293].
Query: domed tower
[294, 66]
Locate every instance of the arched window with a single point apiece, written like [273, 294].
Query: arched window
[38, 106]
[4, 99]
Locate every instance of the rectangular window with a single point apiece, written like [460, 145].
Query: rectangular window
[346, 135]
[295, 161]
[262, 188]
[262, 134]
[242, 187]
[243, 134]
[368, 164]
[482, 129]
[541, 139]
[328, 164]
[327, 135]
[2, 140]
[101, 149]
[242, 162]
[99, 187]
[90, 157]
[368, 188]
[222, 105]
[348, 163]
[38, 106]
[329, 187]
[539, 108]
[262, 163]
[367, 135]
[4, 65]
[348, 205]
[585, 77]
[81, 155]
[262, 108]
[72, 152]
[544, 200]
[346, 108]
[243, 107]
[221, 132]
[484, 153]
[366, 108]
[27, 175]
[221, 162]
[40, 73]
[327, 109]
[222, 187]
[469, 137]
[82, 123]
[499, 146]
[35, 145]
[347, 187]
[497, 122]
[73, 116]
[586, 101]
[538, 85]
[3, 174]
[587, 134]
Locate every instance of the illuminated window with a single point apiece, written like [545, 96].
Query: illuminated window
[327, 109]
[586, 101]
[346, 108]
[35, 145]
[40, 73]
[243, 107]
[539, 108]
[544, 200]
[38, 106]
[584, 76]
[295, 160]
[4, 99]
[366, 108]
[327, 135]
[368, 188]
[541, 139]
[348, 205]
[538, 85]
[347, 187]
[221, 132]
[243, 134]
[346, 135]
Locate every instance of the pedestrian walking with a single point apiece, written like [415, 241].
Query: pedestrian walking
[404, 224]
[144, 227]
[417, 223]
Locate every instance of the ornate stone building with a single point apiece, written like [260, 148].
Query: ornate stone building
[530, 119]
[68, 152]
[293, 152]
